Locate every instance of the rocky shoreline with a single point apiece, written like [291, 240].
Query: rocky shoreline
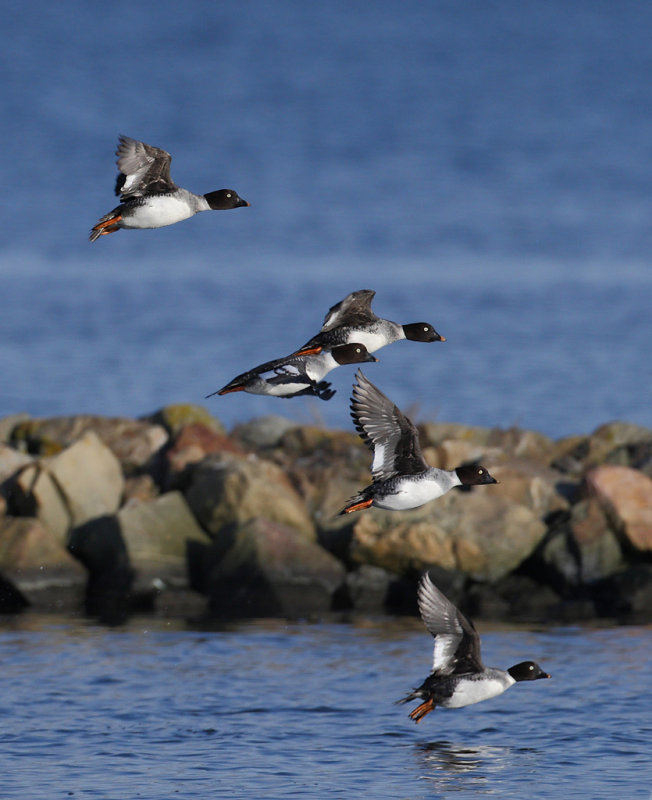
[172, 515]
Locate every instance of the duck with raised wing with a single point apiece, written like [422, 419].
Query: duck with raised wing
[297, 375]
[149, 198]
[352, 320]
[402, 478]
[458, 677]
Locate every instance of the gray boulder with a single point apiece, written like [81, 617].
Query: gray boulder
[272, 569]
[228, 489]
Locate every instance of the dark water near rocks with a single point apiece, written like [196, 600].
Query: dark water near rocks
[484, 167]
[273, 710]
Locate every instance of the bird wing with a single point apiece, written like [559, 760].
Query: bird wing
[356, 307]
[386, 431]
[143, 169]
[457, 644]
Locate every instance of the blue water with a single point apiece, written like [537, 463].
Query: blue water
[484, 167]
[273, 710]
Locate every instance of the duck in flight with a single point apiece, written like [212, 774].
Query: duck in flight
[297, 375]
[352, 320]
[149, 198]
[458, 677]
[402, 478]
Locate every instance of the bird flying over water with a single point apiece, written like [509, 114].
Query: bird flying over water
[458, 677]
[149, 198]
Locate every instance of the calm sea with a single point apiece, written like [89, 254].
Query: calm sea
[273, 710]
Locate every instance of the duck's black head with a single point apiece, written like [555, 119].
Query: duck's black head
[422, 332]
[224, 199]
[354, 353]
[474, 475]
[527, 671]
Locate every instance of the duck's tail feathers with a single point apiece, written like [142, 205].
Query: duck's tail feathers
[109, 223]
[357, 503]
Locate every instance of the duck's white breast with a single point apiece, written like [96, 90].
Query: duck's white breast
[156, 212]
[469, 691]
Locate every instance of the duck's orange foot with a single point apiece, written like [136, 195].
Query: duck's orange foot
[420, 711]
[357, 506]
[105, 226]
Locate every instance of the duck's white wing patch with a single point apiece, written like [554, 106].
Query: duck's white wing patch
[440, 617]
[288, 369]
[378, 465]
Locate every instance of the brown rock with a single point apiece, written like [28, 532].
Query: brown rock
[11, 460]
[272, 569]
[158, 536]
[34, 493]
[530, 484]
[521, 443]
[89, 475]
[626, 496]
[598, 547]
[228, 489]
[401, 547]
[133, 442]
[194, 442]
[139, 489]
[176, 417]
[7, 424]
[452, 453]
[36, 562]
[482, 534]
[81, 482]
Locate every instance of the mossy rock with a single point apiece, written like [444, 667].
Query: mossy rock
[27, 436]
[175, 417]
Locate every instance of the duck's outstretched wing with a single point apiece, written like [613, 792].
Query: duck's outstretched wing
[143, 169]
[457, 644]
[386, 431]
[354, 308]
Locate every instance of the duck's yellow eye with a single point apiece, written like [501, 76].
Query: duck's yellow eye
[480, 471]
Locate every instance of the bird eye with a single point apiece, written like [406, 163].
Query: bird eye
[228, 194]
[480, 471]
[531, 667]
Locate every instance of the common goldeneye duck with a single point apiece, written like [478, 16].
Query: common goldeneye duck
[297, 375]
[352, 320]
[149, 198]
[458, 677]
[402, 478]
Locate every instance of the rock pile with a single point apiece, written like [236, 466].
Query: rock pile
[172, 514]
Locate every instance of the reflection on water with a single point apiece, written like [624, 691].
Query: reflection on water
[458, 767]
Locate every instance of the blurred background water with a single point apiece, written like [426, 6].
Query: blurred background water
[484, 167]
